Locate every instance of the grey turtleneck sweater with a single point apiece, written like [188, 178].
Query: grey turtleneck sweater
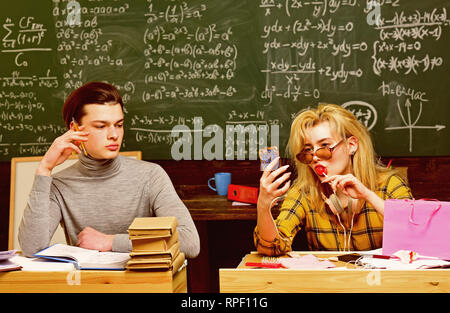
[106, 195]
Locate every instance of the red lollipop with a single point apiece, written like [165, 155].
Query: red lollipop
[321, 170]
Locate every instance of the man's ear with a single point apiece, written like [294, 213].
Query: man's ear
[352, 145]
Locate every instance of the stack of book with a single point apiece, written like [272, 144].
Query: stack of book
[155, 244]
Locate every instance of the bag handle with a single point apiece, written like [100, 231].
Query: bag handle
[429, 217]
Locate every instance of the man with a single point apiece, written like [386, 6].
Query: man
[97, 198]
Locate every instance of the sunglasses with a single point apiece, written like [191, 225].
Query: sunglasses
[324, 153]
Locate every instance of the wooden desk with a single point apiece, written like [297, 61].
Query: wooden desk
[88, 281]
[218, 208]
[244, 279]
[206, 205]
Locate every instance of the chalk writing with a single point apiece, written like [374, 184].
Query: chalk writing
[245, 65]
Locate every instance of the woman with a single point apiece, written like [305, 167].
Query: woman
[98, 197]
[330, 148]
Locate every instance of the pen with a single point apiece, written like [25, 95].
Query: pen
[263, 264]
[380, 256]
[75, 125]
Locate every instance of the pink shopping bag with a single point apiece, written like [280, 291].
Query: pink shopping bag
[422, 226]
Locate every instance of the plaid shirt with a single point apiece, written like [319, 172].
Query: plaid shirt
[323, 230]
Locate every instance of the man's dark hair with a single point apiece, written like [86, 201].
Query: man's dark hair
[90, 93]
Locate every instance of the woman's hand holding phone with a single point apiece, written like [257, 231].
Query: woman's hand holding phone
[269, 185]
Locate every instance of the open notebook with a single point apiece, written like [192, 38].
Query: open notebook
[85, 258]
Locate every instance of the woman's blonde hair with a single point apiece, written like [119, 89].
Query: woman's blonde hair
[365, 166]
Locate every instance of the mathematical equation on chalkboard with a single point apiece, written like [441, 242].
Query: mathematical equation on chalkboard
[244, 65]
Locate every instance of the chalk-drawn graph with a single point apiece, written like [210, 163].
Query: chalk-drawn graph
[411, 125]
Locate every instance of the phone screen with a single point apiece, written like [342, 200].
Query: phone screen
[267, 155]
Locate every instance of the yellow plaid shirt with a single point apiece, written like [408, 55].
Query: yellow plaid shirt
[323, 230]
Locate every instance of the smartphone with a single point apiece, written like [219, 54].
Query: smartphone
[75, 125]
[267, 155]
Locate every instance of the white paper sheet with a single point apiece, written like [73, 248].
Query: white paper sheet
[40, 265]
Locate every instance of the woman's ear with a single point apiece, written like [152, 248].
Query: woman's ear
[352, 145]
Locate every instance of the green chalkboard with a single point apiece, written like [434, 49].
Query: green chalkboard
[219, 79]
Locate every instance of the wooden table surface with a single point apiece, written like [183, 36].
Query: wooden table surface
[213, 207]
[348, 280]
[89, 281]
[208, 206]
